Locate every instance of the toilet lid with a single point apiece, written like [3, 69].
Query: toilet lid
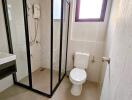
[78, 74]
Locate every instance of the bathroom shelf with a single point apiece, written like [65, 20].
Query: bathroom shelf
[7, 64]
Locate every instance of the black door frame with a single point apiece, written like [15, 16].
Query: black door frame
[9, 40]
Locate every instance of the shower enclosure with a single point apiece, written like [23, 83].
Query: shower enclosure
[37, 32]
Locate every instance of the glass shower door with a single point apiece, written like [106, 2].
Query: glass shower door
[51, 38]
[64, 36]
[56, 40]
[41, 73]
[17, 27]
[3, 37]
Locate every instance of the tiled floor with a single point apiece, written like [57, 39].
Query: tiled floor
[41, 79]
[90, 92]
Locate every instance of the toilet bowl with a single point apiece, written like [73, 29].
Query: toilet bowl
[78, 74]
[77, 77]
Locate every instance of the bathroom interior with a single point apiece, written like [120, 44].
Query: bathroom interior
[65, 49]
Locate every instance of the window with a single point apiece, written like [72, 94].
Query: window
[57, 10]
[90, 10]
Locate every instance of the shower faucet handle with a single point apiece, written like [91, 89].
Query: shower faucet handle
[106, 59]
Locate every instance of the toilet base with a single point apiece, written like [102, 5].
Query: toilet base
[76, 90]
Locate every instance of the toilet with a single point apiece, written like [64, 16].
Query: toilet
[78, 74]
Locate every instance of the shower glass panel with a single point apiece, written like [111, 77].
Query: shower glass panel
[64, 36]
[17, 28]
[39, 33]
[3, 37]
[40, 44]
[56, 39]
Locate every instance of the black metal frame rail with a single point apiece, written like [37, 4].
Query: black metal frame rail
[9, 40]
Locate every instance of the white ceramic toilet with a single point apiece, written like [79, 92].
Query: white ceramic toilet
[78, 74]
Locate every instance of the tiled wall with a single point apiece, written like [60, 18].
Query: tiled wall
[35, 47]
[87, 37]
[45, 33]
[118, 82]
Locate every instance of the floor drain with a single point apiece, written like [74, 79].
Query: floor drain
[42, 69]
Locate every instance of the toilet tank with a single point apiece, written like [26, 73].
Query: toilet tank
[81, 60]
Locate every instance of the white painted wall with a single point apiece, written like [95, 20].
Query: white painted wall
[87, 37]
[118, 82]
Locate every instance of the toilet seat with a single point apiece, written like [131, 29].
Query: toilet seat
[78, 76]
